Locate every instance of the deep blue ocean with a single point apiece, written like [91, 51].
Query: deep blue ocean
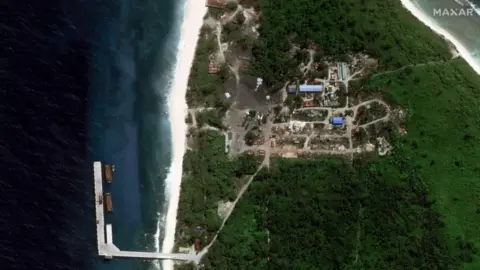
[83, 80]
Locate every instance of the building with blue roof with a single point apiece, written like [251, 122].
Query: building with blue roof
[337, 121]
[310, 88]
[292, 89]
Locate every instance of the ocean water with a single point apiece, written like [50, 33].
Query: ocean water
[465, 28]
[84, 80]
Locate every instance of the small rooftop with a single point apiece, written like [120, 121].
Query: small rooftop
[337, 120]
[308, 88]
[292, 88]
[213, 68]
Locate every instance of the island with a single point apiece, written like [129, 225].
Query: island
[329, 135]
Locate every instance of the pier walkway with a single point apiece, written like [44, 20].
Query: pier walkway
[105, 245]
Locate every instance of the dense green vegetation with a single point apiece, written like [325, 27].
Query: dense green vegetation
[327, 214]
[209, 178]
[443, 138]
[203, 87]
[382, 28]
[418, 208]
[211, 117]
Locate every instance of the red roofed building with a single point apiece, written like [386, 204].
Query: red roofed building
[216, 4]
[308, 104]
[197, 244]
[213, 68]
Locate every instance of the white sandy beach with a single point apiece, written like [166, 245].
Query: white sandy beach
[194, 12]
[436, 28]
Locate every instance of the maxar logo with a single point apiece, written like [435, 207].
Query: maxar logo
[453, 12]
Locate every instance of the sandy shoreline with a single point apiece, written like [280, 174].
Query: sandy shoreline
[194, 12]
[425, 19]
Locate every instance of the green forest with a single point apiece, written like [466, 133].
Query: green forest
[381, 28]
[209, 178]
[330, 214]
[418, 208]
[443, 141]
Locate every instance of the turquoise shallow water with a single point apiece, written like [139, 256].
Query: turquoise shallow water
[135, 51]
[463, 22]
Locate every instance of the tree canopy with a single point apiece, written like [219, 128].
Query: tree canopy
[329, 214]
[381, 28]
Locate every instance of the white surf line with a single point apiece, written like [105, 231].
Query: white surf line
[425, 19]
[194, 11]
[156, 237]
[475, 8]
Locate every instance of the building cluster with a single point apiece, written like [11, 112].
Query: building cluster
[290, 143]
[339, 144]
[322, 92]
[304, 88]
[338, 72]
[308, 92]
[342, 71]
[384, 147]
[361, 61]
[330, 97]
[317, 95]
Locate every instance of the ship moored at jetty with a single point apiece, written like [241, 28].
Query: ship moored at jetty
[109, 169]
[106, 247]
[108, 202]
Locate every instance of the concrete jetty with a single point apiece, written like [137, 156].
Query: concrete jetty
[105, 245]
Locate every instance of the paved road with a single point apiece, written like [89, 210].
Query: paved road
[114, 252]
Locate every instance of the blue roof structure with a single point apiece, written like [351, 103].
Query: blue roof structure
[337, 120]
[292, 89]
[309, 88]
